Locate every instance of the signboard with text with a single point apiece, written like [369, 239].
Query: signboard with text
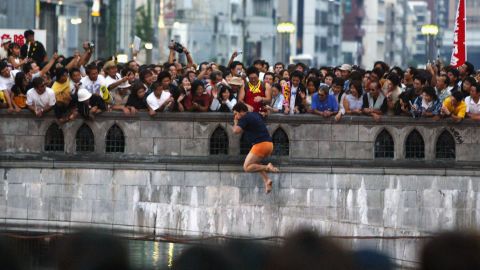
[16, 35]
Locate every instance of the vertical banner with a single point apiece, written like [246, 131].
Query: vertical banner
[459, 53]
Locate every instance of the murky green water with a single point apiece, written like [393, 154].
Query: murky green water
[42, 253]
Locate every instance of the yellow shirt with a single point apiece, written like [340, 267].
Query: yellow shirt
[62, 92]
[459, 110]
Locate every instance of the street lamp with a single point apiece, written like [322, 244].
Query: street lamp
[429, 31]
[285, 29]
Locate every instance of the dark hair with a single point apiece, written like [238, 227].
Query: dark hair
[429, 90]
[155, 85]
[382, 64]
[3, 65]
[278, 86]
[379, 72]
[476, 85]
[37, 81]
[422, 79]
[315, 82]
[91, 67]
[470, 68]
[447, 79]
[356, 76]
[297, 74]
[240, 107]
[252, 70]
[454, 71]
[270, 74]
[162, 75]
[338, 81]
[458, 95]
[358, 86]
[471, 80]
[413, 70]
[144, 73]
[28, 33]
[258, 62]
[11, 46]
[394, 79]
[234, 64]
[19, 88]
[195, 85]
[279, 63]
[136, 86]
[125, 71]
[214, 74]
[222, 88]
[59, 72]
[398, 71]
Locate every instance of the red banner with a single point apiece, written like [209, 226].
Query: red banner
[459, 53]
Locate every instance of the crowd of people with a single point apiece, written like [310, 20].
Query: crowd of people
[78, 86]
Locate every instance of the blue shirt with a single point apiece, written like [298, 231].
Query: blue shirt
[329, 104]
[254, 128]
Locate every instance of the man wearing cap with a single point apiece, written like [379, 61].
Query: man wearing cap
[112, 78]
[345, 71]
[89, 105]
[33, 49]
[235, 83]
[4, 48]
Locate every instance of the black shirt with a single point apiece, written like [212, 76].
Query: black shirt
[254, 128]
[37, 52]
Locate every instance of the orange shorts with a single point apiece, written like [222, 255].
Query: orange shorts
[263, 149]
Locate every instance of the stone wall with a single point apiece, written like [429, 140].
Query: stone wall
[311, 138]
[167, 183]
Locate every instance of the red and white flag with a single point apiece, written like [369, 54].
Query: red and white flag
[459, 53]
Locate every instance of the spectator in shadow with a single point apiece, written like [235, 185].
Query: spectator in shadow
[92, 250]
[306, 250]
[452, 251]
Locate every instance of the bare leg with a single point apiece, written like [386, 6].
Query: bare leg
[252, 164]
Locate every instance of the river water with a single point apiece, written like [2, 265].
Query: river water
[41, 253]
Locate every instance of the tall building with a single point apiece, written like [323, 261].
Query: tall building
[353, 12]
[423, 16]
[374, 25]
[396, 48]
[318, 26]
[213, 30]
[23, 13]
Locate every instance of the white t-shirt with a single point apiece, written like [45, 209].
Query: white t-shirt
[154, 103]
[7, 83]
[472, 107]
[41, 101]
[109, 80]
[93, 86]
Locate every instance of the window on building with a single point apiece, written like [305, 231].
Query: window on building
[324, 18]
[245, 145]
[384, 146]
[262, 8]
[317, 17]
[219, 142]
[54, 141]
[445, 147]
[317, 44]
[414, 146]
[115, 141]
[281, 143]
[323, 43]
[84, 139]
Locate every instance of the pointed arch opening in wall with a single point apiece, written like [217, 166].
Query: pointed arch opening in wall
[115, 140]
[414, 146]
[84, 140]
[219, 142]
[54, 139]
[281, 143]
[384, 145]
[445, 146]
[245, 145]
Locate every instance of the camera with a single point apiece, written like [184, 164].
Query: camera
[177, 47]
[91, 45]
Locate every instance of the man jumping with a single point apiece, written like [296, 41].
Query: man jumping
[257, 134]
